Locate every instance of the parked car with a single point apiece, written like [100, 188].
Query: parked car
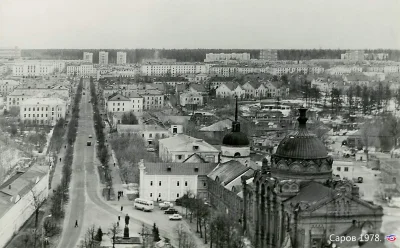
[151, 149]
[171, 211]
[175, 217]
[165, 205]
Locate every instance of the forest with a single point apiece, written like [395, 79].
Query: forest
[191, 55]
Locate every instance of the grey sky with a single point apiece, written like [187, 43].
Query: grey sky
[248, 24]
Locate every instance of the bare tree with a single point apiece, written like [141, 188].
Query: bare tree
[184, 238]
[36, 203]
[89, 239]
[113, 232]
[146, 236]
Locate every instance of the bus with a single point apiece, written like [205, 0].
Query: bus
[144, 205]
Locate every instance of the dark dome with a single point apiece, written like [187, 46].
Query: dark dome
[301, 144]
[235, 139]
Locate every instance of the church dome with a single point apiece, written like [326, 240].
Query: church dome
[301, 155]
[235, 139]
[301, 144]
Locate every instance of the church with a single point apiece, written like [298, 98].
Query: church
[293, 201]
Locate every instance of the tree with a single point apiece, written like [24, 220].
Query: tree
[365, 100]
[156, 233]
[89, 240]
[14, 111]
[146, 236]
[99, 235]
[129, 119]
[224, 232]
[113, 232]
[184, 238]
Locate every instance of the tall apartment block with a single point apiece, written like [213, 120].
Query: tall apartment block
[269, 54]
[354, 55]
[88, 57]
[121, 58]
[103, 58]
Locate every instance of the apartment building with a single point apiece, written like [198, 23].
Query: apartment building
[42, 111]
[88, 57]
[84, 70]
[211, 57]
[353, 55]
[7, 86]
[35, 68]
[341, 70]
[391, 69]
[191, 98]
[269, 54]
[173, 69]
[117, 102]
[287, 69]
[103, 58]
[10, 53]
[121, 58]
[152, 99]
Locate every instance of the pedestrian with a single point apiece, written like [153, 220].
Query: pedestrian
[60, 159]
[76, 223]
[119, 217]
[122, 208]
[118, 198]
[65, 147]
[122, 193]
[114, 164]
[118, 223]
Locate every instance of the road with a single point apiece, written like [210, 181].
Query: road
[84, 189]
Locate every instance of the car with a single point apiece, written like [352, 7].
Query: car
[165, 205]
[150, 149]
[175, 217]
[90, 136]
[171, 211]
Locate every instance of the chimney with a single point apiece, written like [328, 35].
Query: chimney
[302, 118]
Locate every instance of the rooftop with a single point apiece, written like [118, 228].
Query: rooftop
[45, 101]
[183, 142]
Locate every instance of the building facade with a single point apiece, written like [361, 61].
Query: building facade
[7, 86]
[121, 58]
[191, 98]
[42, 111]
[103, 58]
[173, 69]
[170, 181]
[84, 70]
[88, 57]
[269, 54]
[211, 57]
[35, 68]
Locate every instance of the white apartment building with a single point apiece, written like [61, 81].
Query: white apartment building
[16, 199]
[391, 69]
[103, 58]
[173, 69]
[269, 54]
[191, 98]
[7, 86]
[210, 57]
[84, 70]
[88, 57]
[340, 70]
[10, 53]
[121, 58]
[42, 111]
[118, 103]
[287, 69]
[32, 68]
[18, 95]
[170, 181]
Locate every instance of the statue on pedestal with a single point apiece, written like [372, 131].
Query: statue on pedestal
[126, 232]
[127, 220]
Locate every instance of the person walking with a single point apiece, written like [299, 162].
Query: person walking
[122, 208]
[119, 217]
[60, 159]
[118, 198]
[76, 223]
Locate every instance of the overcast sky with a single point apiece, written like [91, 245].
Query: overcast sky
[247, 24]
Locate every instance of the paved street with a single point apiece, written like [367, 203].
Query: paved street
[86, 204]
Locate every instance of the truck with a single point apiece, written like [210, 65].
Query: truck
[165, 205]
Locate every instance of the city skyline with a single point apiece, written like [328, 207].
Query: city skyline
[179, 24]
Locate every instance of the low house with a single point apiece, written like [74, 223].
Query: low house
[198, 88]
[149, 133]
[230, 89]
[170, 181]
[191, 99]
[179, 147]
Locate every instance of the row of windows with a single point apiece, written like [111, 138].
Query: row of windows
[345, 168]
[159, 195]
[38, 115]
[38, 109]
[159, 183]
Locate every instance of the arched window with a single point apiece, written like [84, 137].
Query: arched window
[237, 154]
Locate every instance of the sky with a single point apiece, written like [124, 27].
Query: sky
[219, 24]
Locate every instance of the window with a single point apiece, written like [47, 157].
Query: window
[338, 168]
[42, 115]
[33, 115]
[204, 184]
[185, 183]
[159, 183]
[159, 194]
[29, 109]
[24, 109]
[24, 115]
[151, 183]
[150, 135]
[346, 168]
[177, 195]
[151, 194]
[177, 183]
[179, 156]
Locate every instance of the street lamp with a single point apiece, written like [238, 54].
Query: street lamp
[44, 219]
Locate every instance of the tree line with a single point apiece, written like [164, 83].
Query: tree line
[193, 55]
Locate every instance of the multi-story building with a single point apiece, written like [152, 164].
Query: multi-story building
[269, 54]
[391, 69]
[211, 57]
[7, 86]
[340, 70]
[118, 102]
[180, 147]
[287, 69]
[191, 98]
[121, 58]
[17, 196]
[10, 53]
[34, 68]
[42, 111]
[152, 99]
[230, 89]
[103, 58]
[170, 181]
[88, 57]
[353, 55]
[84, 70]
[173, 69]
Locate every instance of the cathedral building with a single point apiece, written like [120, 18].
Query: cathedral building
[292, 200]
